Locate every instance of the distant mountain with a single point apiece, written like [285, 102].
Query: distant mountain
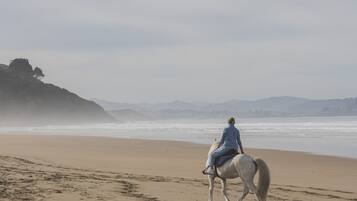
[272, 104]
[331, 107]
[268, 107]
[25, 99]
[175, 105]
[127, 115]
[109, 105]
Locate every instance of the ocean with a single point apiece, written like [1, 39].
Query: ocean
[335, 136]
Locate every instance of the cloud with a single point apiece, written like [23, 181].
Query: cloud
[189, 50]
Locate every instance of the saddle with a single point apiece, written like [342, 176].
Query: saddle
[227, 156]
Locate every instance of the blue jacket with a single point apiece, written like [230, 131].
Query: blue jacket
[230, 138]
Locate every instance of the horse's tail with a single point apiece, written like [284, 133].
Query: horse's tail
[264, 178]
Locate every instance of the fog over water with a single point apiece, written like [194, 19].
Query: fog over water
[320, 135]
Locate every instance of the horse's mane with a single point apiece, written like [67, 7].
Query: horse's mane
[214, 146]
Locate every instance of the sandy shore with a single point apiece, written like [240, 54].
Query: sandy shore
[94, 168]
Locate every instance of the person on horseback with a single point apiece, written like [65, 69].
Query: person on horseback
[230, 140]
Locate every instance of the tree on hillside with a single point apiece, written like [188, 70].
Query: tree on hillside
[21, 67]
[38, 74]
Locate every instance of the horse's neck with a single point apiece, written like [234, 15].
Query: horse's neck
[214, 146]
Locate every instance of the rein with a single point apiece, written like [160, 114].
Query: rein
[216, 173]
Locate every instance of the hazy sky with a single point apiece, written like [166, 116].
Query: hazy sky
[164, 50]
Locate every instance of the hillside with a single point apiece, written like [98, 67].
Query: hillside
[283, 106]
[26, 100]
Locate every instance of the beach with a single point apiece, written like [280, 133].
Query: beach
[40, 167]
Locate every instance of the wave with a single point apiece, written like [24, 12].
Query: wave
[316, 135]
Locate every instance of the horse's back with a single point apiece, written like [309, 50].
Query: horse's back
[246, 166]
[234, 167]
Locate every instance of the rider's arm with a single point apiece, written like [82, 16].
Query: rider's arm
[241, 148]
[240, 143]
[223, 137]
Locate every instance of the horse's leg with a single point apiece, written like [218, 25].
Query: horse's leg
[224, 189]
[245, 193]
[247, 176]
[211, 186]
[253, 189]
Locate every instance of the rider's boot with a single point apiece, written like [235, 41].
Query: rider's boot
[208, 171]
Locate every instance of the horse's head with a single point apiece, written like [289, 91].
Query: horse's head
[214, 146]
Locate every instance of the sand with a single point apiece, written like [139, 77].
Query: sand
[98, 168]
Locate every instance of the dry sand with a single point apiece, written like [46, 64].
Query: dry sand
[94, 168]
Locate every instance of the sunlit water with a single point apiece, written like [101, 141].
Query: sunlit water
[320, 135]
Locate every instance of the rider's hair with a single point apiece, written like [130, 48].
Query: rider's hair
[231, 120]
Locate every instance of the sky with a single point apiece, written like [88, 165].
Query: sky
[189, 50]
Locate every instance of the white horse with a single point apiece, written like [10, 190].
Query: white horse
[245, 167]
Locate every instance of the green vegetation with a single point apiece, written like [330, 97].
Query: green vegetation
[25, 99]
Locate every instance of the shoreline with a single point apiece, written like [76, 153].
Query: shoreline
[83, 134]
[292, 173]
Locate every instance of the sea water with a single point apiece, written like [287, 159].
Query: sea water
[336, 136]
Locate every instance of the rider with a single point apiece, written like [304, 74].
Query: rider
[230, 140]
